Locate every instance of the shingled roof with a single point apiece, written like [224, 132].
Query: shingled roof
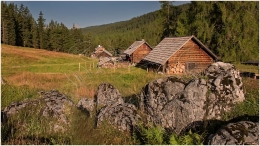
[98, 52]
[169, 46]
[107, 52]
[135, 46]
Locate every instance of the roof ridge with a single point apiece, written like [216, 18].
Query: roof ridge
[107, 52]
[180, 36]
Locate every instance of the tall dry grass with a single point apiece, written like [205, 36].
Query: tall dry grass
[35, 80]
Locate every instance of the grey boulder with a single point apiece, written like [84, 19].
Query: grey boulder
[240, 133]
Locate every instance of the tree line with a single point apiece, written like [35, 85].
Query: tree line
[19, 28]
[229, 28]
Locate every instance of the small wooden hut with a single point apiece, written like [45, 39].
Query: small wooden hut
[100, 51]
[177, 55]
[137, 51]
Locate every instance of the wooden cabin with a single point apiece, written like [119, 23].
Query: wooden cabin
[178, 55]
[100, 51]
[137, 51]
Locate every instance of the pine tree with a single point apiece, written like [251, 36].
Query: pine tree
[200, 16]
[77, 39]
[41, 33]
[24, 30]
[29, 34]
[11, 25]
[4, 22]
[35, 36]
[166, 11]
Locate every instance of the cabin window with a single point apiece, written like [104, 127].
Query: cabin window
[190, 66]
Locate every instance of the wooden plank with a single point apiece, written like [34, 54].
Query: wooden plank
[140, 53]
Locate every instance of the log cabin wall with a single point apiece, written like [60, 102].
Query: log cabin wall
[140, 53]
[190, 58]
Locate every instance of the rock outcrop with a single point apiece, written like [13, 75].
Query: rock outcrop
[170, 102]
[51, 104]
[122, 116]
[225, 88]
[175, 104]
[113, 109]
[107, 95]
[240, 133]
[56, 106]
[87, 104]
[15, 107]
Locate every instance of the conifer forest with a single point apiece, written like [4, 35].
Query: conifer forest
[229, 28]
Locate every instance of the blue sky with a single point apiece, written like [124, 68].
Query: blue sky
[90, 13]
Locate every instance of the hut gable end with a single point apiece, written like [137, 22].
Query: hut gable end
[180, 55]
[101, 52]
[191, 57]
[169, 46]
[190, 52]
[165, 49]
[140, 53]
[138, 50]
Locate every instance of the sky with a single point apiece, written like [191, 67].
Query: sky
[90, 13]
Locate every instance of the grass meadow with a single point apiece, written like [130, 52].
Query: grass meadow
[28, 71]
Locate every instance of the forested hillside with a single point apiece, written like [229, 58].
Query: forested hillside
[229, 28]
[19, 28]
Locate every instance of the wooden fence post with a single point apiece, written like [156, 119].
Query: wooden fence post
[79, 66]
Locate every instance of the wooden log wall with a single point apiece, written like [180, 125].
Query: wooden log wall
[189, 58]
[140, 53]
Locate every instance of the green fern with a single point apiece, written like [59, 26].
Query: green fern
[191, 139]
[174, 140]
[153, 135]
[156, 135]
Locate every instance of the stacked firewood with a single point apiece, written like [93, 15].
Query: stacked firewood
[122, 64]
[108, 65]
[177, 68]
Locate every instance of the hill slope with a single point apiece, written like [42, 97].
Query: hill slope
[217, 24]
[74, 75]
[28, 71]
[120, 35]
